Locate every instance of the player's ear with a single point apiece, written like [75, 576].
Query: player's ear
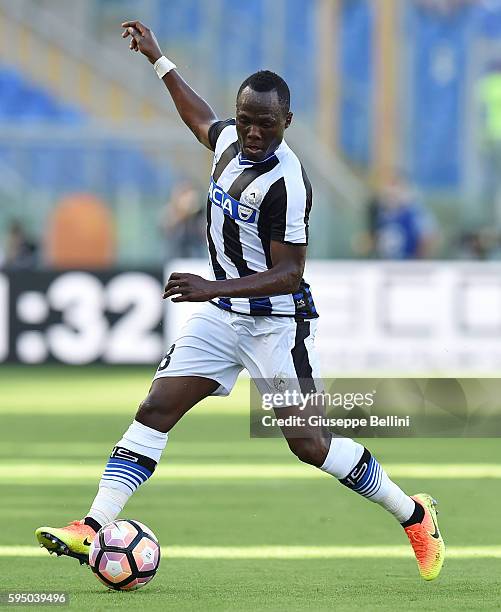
[288, 119]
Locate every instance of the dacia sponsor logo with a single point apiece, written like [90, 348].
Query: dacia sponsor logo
[231, 207]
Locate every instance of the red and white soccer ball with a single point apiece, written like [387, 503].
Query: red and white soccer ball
[124, 555]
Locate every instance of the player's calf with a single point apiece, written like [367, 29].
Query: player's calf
[355, 467]
[310, 450]
[135, 457]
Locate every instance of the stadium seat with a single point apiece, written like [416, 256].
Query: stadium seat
[58, 168]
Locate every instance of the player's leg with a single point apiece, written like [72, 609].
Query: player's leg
[199, 364]
[356, 468]
[132, 461]
[349, 462]
[136, 455]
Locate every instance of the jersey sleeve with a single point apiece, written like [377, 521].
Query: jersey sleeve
[289, 210]
[216, 129]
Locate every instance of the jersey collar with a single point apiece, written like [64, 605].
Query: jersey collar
[243, 161]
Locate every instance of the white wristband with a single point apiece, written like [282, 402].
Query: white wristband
[162, 66]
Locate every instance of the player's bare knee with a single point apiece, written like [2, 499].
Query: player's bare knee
[153, 410]
[149, 407]
[161, 409]
[310, 450]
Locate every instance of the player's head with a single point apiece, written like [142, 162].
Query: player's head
[263, 114]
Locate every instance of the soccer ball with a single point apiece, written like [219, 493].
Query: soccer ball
[124, 555]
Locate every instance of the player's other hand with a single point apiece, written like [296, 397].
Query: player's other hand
[142, 39]
[189, 288]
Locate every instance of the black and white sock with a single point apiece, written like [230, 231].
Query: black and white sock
[355, 467]
[131, 463]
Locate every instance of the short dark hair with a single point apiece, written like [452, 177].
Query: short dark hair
[265, 80]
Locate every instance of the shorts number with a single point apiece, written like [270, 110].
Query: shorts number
[166, 360]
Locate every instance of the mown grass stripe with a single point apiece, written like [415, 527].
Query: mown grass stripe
[287, 552]
[55, 472]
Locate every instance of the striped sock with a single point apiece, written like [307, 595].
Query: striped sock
[358, 470]
[131, 463]
[128, 468]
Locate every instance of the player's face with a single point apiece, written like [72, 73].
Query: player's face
[260, 123]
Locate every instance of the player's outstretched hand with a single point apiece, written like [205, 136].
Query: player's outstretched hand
[189, 288]
[142, 39]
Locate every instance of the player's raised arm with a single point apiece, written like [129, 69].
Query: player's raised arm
[193, 109]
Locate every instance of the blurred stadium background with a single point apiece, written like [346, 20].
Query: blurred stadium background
[398, 123]
[378, 87]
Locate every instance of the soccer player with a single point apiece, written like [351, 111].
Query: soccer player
[258, 314]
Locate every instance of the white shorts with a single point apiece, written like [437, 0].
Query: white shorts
[277, 352]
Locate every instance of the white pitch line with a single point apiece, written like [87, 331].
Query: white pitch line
[57, 473]
[287, 552]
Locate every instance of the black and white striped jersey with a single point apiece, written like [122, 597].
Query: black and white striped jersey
[250, 204]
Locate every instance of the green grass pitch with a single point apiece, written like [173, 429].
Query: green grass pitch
[289, 539]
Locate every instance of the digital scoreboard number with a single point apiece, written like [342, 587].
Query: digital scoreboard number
[384, 317]
[80, 317]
